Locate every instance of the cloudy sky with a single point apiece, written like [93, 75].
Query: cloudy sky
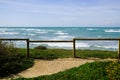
[59, 12]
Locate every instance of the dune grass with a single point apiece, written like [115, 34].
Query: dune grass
[63, 53]
[88, 71]
[96, 54]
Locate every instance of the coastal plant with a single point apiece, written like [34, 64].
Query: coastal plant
[50, 54]
[96, 54]
[8, 50]
[43, 54]
[66, 53]
[41, 47]
[113, 71]
[11, 61]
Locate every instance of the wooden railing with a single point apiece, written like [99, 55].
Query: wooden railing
[61, 41]
[111, 39]
[18, 39]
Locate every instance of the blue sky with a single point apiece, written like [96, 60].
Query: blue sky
[59, 12]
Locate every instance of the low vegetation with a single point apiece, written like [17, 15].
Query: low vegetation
[14, 60]
[64, 53]
[96, 54]
[41, 48]
[11, 60]
[88, 71]
[113, 71]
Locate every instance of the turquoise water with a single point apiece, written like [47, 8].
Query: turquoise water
[64, 33]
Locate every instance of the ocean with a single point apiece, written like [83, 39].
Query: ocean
[64, 33]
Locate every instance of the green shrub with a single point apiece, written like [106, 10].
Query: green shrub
[7, 49]
[41, 47]
[113, 70]
[42, 54]
[11, 61]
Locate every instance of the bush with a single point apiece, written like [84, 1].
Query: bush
[113, 70]
[41, 47]
[7, 49]
[11, 61]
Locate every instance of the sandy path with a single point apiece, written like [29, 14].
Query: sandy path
[44, 67]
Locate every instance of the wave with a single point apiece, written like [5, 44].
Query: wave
[62, 37]
[65, 36]
[63, 45]
[112, 30]
[31, 34]
[38, 31]
[78, 46]
[29, 29]
[61, 33]
[91, 29]
[82, 45]
[8, 33]
[107, 47]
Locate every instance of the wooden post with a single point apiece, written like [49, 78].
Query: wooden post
[27, 47]
[119, 50]
[74, 49]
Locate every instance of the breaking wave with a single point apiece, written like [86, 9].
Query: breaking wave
[112, 30]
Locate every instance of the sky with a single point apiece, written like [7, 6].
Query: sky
[60, 13]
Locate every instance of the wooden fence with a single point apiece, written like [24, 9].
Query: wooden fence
[110, 39]
[18, 39]
[61, 41]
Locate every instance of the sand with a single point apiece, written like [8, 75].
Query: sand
[45, 67]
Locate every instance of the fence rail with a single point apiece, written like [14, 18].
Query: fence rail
[116, 39]
[18, 39]
[61, 41]
[51, 41]
[97, 39]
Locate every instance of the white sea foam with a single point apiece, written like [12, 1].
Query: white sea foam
[79, 45]
[83, 45]
[38, 31]
[90, 29]
[64, 45]
[61, 33]
[3, 30]
[112, 30]
[60, 45]
[29, 29]
[31, 34]
[8, 33]
[108, 47]
[63, 37]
